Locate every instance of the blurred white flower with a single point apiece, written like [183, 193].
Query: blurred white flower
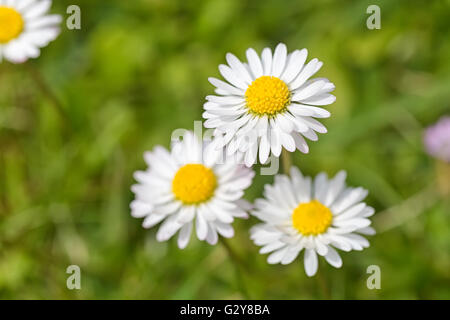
[25, 27]
[316, 216]
[268, 103]
[187, 184]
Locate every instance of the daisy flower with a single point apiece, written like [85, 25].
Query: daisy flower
[187, 185]
[317, 216]
[25, 27]
[268, 103]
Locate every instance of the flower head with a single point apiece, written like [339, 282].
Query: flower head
[437, 139]
[187, 185]
[268, 103]
[315, 216]
[25, 27]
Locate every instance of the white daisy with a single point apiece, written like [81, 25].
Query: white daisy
[316, 216]
[187, 184]
[25, 27]
[268, 103]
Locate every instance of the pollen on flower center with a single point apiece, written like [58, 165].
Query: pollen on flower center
[194, 183]
[312, 218]
[11, 24]
[267, 95]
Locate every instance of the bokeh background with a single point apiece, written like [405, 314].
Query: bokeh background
[75, 123]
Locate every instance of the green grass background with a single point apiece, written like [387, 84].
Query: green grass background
[138, 69]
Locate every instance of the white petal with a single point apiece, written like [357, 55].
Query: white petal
[167, 208]
[305, 74]
[279, 60]
[367, 212]
[308, 91]
[206, 212]
[230, 76]
[275, 142]
[300, 143]
[284, 123]
[14, 52]
[254, 63]
[287, 141]
[336, 185]
[220, 212]
[314, 124]
[277, 256]
[291, 254]
[184, 235]
[140, 209]
[311, 262]
[264, 149]
[167, 229]
[266, 57]
[186, 214]
[44, 21]
[152, 220]
[238, 68]
[20, 5]
[321, 248]
[320, 100]
[226, 100]
[363, 242]
[250, 156]
[367, 231]
[310, 134]
[356, 223]
[333, 258]
[212, 236]
[351, 212]
[320, 186]
[226, 87]
[295, 64]
[304, 110]
[37, 9]
[348, 198]
[201, 226]
[271, 247]
[224, 229]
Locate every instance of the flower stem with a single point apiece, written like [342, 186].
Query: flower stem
[323, 285]
[239, 265]
[47, 91]
[286, 160]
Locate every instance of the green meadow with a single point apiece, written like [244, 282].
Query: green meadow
[75, 122]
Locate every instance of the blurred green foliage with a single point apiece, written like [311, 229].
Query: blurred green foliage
[138, 69]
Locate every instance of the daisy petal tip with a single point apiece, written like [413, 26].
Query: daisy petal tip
[182, 246]
[212, 80]
[229, 56]
[310, 274]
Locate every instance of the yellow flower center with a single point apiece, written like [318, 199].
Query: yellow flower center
[312, 218]
[267, 95]
[11, 24]
[194, 183]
